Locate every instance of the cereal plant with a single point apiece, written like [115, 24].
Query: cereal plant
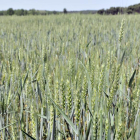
[70, 77]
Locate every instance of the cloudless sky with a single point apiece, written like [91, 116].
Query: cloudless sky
[61, 4]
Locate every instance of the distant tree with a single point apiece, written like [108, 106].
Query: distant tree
[47, 12]
[32, 12]
[65, 11]
[121, 10]
[25, 12]
[1, 13]
[137, 9]
[4, 12]
[129, 11]
[22, 12]
[42, 12]
[19, 12]
[10, 11]
[112, 10]
[54, 12]
[101, 12]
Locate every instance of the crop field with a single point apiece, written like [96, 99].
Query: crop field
[70, 77]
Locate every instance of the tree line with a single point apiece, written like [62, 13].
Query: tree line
[121, 10]
[22, 12]
[113, 10]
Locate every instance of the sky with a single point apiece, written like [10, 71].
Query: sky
[59, 5]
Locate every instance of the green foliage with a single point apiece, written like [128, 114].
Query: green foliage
[21, 12]
[65, 11]
[32, 12]
[10, 12]
[1, 13]
[133, 9]
[121, 10]
[101, 12]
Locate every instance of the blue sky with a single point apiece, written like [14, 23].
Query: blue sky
[68, 4]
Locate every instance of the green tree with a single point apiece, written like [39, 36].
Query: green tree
[19, 12]
[101, 12]
[65, 11]
[54, 12]
[25, 12]
[1, 13]
[129, 11]
[10, 11]
[32, 12]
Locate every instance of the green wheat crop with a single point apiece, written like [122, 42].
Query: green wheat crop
[70, 77]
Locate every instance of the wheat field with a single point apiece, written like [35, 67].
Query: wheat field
[70, 77]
